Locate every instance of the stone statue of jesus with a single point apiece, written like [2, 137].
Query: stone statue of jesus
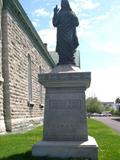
[66, 22]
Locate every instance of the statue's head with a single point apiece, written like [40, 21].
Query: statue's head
[65, 4]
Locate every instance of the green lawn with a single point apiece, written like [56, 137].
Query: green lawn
[107, 139]
[18, 147]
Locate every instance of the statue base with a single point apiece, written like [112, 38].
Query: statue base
[63, 149]
[65, 123]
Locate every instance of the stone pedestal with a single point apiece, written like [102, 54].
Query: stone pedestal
[65, 125]
[63, 149]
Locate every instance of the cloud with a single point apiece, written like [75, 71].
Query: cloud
[79, 5]
[48, 36]
[41, 12]
[84, 24]
[76, 7]
[89, 4]
[34, 23]
[106, 47]
[102, 33]
[102, 17]
[105, 84]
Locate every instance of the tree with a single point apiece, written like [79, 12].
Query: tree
[94, 105]
[117, 101]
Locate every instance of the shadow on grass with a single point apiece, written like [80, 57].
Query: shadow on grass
[28, 156]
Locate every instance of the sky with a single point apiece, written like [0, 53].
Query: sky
[99, 38]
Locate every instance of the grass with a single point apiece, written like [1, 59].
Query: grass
[107, 139]
[18, 146]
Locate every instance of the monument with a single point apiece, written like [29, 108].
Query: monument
[65, 124]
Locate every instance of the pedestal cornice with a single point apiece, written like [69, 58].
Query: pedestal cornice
[71, 79]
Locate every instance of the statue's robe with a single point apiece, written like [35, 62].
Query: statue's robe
[66, 22]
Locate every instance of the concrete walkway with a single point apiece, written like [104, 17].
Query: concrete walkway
[109, 121]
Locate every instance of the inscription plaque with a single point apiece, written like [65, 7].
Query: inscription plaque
[65, 104]
[64, 118]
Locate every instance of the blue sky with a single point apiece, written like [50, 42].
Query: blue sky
[99, 38]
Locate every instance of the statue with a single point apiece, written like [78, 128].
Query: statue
[66, 22]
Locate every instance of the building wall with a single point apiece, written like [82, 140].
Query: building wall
[2, 124]
[18, 45]
[0, 40]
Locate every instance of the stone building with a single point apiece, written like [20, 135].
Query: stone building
[22, 57]
[2, 124]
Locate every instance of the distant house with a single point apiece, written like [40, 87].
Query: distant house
[109, 105]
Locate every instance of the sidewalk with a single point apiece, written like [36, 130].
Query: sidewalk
[109, 121]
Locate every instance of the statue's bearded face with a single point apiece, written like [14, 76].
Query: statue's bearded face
[64, 4]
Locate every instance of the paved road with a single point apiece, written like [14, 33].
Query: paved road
[109, 121]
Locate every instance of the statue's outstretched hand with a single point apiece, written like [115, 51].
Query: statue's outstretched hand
[56, 9]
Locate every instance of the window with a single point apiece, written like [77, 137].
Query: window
[41, 91]
[29, 79]
[40, 71]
